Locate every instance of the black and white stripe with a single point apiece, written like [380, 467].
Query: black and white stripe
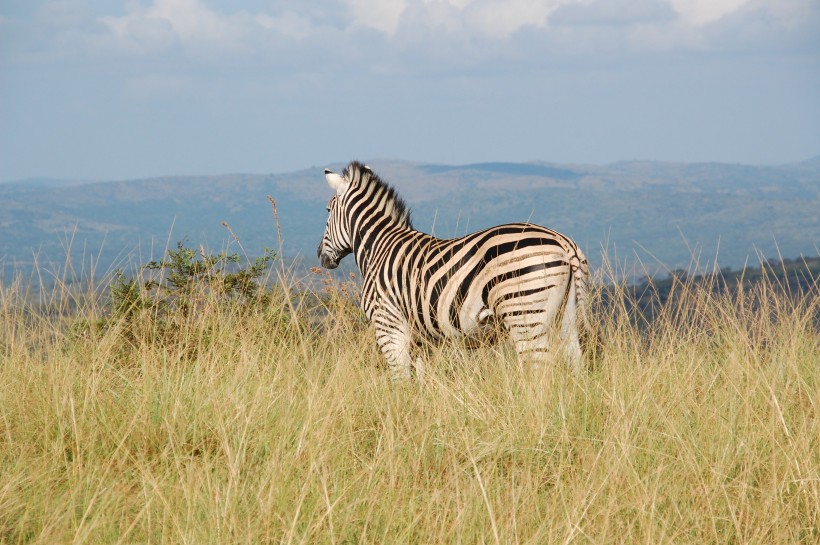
[414, 285]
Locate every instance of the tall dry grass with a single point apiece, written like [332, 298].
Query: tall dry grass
[275, 426]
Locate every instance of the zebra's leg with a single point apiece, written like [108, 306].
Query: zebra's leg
[530, 322]
[394, 340]
[418, 365]
[531, 341]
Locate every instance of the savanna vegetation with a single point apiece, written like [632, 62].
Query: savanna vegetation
[213, 398]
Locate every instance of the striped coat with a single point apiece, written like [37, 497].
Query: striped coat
[526, 277]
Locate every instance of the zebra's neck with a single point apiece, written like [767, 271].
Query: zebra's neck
[376, 216]
[372, 236]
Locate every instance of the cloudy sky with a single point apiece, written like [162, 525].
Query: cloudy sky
[114, 89]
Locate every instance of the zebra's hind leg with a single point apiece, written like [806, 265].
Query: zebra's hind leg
[532, 343]
[395, 340]
[536, 344]
[418, 365]
[531, 325]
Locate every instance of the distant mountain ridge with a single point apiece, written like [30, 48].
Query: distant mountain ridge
[513, 169]
[663, 212]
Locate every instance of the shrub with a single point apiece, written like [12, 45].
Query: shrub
[184, 291]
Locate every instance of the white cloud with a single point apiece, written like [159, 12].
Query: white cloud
[192, 23]
[500, 18]
[490, 18]
[613, 12]
[439, 15]
[414, 35]
[460, 4]
[383, 15]
[289, 24]
[699, 12]
[141, 34]
[167, 21]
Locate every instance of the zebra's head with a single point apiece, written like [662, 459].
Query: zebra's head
[336, 239]
[360, 197]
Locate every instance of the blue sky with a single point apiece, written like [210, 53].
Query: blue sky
[117, 89]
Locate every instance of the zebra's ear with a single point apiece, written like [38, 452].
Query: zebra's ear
[336, 182]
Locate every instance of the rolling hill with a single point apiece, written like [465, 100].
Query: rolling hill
[635, 211]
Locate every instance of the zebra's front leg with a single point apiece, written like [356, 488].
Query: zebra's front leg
[395, 340]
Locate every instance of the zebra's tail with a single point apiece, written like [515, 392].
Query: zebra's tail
[580, 276]
[574, 325]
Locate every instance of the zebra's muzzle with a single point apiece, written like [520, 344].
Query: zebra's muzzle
[326, 261]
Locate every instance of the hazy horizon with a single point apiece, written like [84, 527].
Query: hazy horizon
[390, 160]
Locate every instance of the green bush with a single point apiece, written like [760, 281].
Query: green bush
[185, 280]
[185, 296]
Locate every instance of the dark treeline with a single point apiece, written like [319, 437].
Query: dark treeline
[796, 279]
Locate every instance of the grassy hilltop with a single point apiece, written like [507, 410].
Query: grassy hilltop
[216, 412]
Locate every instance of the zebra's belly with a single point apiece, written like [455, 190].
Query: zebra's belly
[476, 324]
[455, 317]
[473, 324]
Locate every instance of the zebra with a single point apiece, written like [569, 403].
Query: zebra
[416, 286]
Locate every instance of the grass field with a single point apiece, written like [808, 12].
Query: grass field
[276, 424]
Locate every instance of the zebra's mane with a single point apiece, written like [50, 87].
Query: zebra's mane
[361, 174]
